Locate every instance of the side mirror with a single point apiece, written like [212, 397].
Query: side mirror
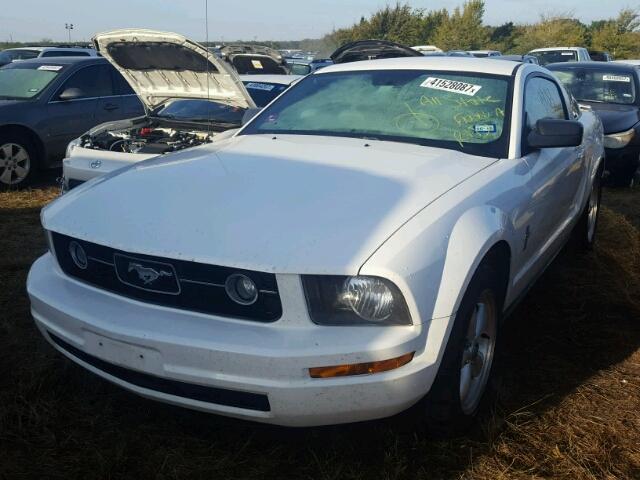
[553, 133]
[249, 114]
[71, 93]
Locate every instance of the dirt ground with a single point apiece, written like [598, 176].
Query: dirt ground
[568, 403]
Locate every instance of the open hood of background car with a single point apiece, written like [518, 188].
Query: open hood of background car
[254, 59]
[371, 50]
[164, 65]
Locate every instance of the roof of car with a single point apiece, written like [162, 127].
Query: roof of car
[279, 79]
[59, 60]
[611, 66]
[456, 64]
[47, 48]
[551, 49]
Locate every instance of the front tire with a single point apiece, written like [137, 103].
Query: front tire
[460, 386]
[18, 161]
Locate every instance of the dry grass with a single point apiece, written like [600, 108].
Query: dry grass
[568, 402]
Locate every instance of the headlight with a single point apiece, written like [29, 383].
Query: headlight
[72, 144]
[619, 140]
[359, 300]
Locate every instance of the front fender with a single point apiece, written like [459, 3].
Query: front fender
[473, 235]
[432, 263]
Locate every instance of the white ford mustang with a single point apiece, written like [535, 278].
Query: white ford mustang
[347, 254]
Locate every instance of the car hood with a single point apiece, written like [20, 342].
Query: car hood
[291, 204]
[164, 65]
[615, 118]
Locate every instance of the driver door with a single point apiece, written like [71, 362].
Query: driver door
[68, 119]
[555, 175]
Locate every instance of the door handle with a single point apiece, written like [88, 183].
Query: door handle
[110, 106]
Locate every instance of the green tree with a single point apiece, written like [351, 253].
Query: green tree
[552, 32]
[463, 29]
[618, 36]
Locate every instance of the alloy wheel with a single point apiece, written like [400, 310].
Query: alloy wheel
[477, 356]
[592, 213]
[15, 163]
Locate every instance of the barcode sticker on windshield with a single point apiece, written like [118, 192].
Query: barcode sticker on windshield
[567, 53]
[616, 78]
[451, 86]
[257, 64]
[50, 68]
[485, 128]
[260, 86]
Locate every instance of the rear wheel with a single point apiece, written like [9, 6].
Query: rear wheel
[461, 383]
[18, 161]
[585, 230]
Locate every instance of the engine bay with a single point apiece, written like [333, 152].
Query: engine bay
[147, 139]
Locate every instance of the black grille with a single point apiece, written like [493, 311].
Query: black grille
[179, 284]
[219, 396]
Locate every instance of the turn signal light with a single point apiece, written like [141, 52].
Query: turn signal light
[361, 368]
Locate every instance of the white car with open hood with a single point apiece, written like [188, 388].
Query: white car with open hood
[190, 97]
[347, 254]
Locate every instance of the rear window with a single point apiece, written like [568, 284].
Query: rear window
[598, 85]
[555, 56]
[7, 56]
[19, 81]
[460, 111]
[256, 65]
[64, 53]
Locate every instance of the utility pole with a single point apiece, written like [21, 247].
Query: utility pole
[69, 27]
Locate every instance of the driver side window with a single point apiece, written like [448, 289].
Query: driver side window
[542, 100]
[93, 81]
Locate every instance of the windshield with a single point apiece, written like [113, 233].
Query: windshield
[19, 81]
[450, 110]
[8, 56]
[598, 85]
[263, 92]
[188, 110]
[555, 56]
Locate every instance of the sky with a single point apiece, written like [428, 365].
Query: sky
[31, 20]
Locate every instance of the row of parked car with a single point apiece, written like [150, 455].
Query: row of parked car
[49, 105]
[343, 254]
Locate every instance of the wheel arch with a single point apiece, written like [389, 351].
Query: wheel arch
[481, 234]
[14, 128]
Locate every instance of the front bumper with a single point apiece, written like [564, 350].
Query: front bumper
[86, 163]
[236, 368]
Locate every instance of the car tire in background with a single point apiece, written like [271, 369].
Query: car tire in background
[584, 233]
[625, 175]
[18, 161]
[461, 384]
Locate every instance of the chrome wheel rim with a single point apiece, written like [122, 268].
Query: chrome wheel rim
[477, 356]
[592, 213]
[14, 163]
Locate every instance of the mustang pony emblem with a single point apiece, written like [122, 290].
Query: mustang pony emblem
[146, 274]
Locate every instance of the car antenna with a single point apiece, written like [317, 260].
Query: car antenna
[206, 35]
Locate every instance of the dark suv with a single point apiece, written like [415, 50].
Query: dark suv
[47, 102]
